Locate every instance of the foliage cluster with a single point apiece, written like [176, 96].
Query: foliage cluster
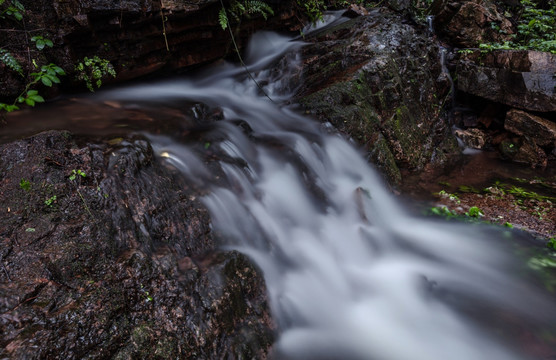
[93, 70]
[536, 29]
[244, 8]
[14, 9]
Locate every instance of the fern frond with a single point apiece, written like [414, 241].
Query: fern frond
[223, 19]
[258, 7]
[7, 58]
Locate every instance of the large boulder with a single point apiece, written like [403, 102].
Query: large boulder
[519, 78]
[470, 23]
[107, 255]
[380, 81]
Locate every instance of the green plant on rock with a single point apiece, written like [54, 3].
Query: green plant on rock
[46, 75]
[50, 201]
[25, 185]
[245, 8]
[313, 8]
[75, 173]
[75, 177]
[10, 61]
[536, 29]
[93, 70]
[474, 212]
[41, 42]
[14, 10]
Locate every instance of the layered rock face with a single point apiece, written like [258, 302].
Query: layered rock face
[139, 37]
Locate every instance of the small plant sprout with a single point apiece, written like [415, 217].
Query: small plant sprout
[41, 42]
[25, 185]
[50, 201]
[75, 173]
[475, 212]
[148, 297]
[78, 174]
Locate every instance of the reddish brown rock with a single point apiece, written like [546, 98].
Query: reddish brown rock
[536, 128]
[469, 23]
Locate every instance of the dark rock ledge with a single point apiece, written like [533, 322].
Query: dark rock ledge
[118, 264]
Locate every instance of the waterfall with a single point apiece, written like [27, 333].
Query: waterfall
[430, 23]
[350, 274]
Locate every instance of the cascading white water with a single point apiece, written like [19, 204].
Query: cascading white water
[350, 275]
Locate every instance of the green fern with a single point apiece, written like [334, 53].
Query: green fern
[7, 58]
[245, 8]
[223, 19]
[258, 7]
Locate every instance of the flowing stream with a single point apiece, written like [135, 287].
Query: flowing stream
[350, 275]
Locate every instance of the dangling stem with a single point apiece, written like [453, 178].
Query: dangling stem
[164, 30]
[239, 54]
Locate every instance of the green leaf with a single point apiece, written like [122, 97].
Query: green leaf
[37, 98]
[58, 70]
[46, 81]
[32, 92]
[7, 58]
[223, 19]
[53, 78]
[30, 102]
[40, 44]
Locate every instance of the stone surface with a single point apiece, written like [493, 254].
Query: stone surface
[536, 128]
[375, 79]
[355, 10]
[473, 138]
[118, 264]
[524, 151]
[518, 78]
[470, 23]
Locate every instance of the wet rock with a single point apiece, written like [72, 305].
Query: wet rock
[374, 79]
[399, 5]
[117, 263]
[518, 78]
[470, 23]
[524, 151]
[538, 129]
[473, 138]
[355, 10]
